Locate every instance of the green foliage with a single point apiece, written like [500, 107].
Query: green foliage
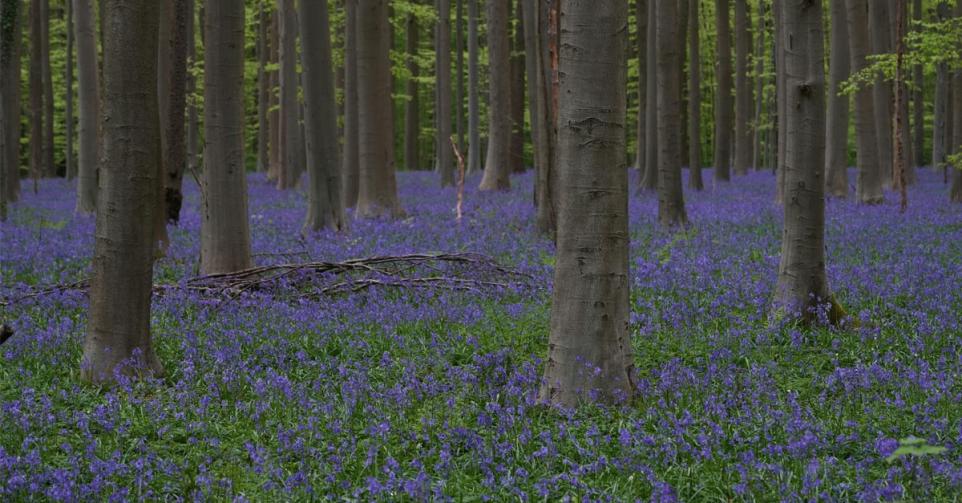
[914, 446]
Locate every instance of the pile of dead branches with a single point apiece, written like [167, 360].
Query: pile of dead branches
[449, 271]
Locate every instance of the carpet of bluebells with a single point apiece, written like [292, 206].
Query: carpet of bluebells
[394, 394]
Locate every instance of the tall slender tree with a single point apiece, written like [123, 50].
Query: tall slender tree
[649, 179]
[589, 352]
[743, 88]
[881, 40]
[88, 93]
[955, 190]
[802, 282]
[723, 96]
[836, 131]
[118, 334]
[758, 149]
[320, 112]
[180, 13]
[694, 98]
[290, 108]
[377, 187]
[193, 120]
[474, 83]
[49, 165]
[274, 119]
[69, 164]
[459, 74]
[11, 21]
[941, 103]
[263, 87]
[412, 107]
[671, 202]
[225, 238]
[442, 143]
[350, 171]
[516, 150]
[542, 122]
[37, 157]
[497, 165]
[868, 187]
[918, 100]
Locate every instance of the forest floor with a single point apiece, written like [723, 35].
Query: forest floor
[430, 394]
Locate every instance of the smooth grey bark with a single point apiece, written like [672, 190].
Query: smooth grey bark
[903, 173]
[723, 95]
[118, 330]
[671, 201]
[181, 11]
[942, 103]
[377, 187]
[497, 164]
[695, 180]
[881, 40]
[69, 164]
[836, 131]
[542, 122]
[442, 143]
[350, 170]
[589, 351]
[743, 88]
[412, 107]
[641, 29]
[11, 21]
[955, 190]
[459, 72]
[88, 95]
[37, 157]
[290, 108]
[193, 127]
[802, 284]
[757, 147]
[274, 118]
[49, 165]
[918, 101]
[682, 45]
[780, 104]
[474, 83]
[320, 113]
[516, 150]
[868, 189]
[649, 179]
[263, 89]
[225, 237]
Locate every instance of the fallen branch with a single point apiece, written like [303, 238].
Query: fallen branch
[450, 271]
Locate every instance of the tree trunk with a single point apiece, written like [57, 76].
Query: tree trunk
[955, 190]
[412, 109]
[542, 123]
[350, 173]
[225, 237]
[474, 110]
[320, 113]
[589, 351]
[459, 72]
[780, 104]
[37, 157]
[11, 18]
[694, 99]
[649, 181]
[671, 201]
[743, 88]
[869, 184]
[880, 31]
[181, 12]
[274, 118]
[377, 185]
[918, 101]
[263, 89]
[118, 334]
[641, 28]
[444, 154]
[88, 93]
[723, 96]
[900, 120]
[290, 108]
[836, 132]
[942, 103]
[802, 284]
[516, 153]
[193, 128]
[70, 165]
[757, 148]
[497, 167]
[49, 165]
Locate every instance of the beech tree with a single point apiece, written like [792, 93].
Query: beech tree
[641, 30]
[474, 82]
[320, 113]
[802, 284]
[671, 202]
[118, 334]
[649, 179]
[723, 93]
[497, 164]
[941, 102]
[180, 14]
[225, 238]
[881, 35]
[350, 168]
[543, 133]
[743, 88]
[442, 142]
[955, 190]
[377, 187]
[37, 157]
[71, 167]
[49, 167]
[516, 150]
[412, 107]
[11, 21]
[88, 94]
[291, 139]
[868, 187]
[589, 352]
[836, 131]
[694, 99]
[263, 88]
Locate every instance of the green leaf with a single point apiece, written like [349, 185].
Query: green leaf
[914, 446]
